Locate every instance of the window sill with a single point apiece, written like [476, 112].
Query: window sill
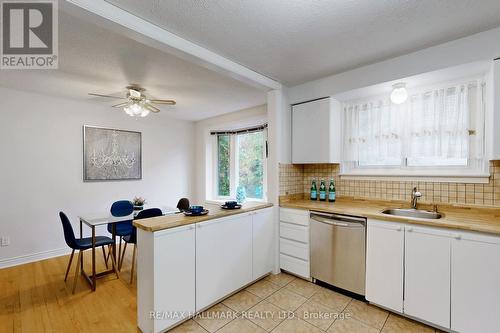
[438, 178]
[221, 201]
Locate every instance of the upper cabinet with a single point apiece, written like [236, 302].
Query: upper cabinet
[316, 131]
[493, 118]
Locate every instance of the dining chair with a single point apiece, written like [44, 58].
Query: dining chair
[132, 238]
[80, 245]
[183, 204]
[122, 229]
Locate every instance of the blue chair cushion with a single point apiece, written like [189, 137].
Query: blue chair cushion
[86, 243]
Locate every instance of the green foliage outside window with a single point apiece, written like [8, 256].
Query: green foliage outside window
[250, 173]
[251, 163]
[223, 145]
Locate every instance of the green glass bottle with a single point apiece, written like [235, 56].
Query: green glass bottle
[322, 191]
[331, 191]
[314, 190]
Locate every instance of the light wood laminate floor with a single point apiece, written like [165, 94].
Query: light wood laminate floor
[34, 298]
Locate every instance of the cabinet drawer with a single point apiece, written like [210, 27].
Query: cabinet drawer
[294, 232]
[295, 266]
[294, 216]
[294, 249]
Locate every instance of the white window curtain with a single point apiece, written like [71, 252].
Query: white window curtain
[441, 126]
[374, 133]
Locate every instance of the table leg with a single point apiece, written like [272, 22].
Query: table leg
[81, 236]
[93, 260]
[114, 243]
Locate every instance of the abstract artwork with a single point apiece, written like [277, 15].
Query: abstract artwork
[111, 154]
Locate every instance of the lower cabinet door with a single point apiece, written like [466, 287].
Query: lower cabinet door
[174, 276]
[427, 274]
[223, 258]
[475, 283]
[384, 264]
[263, 242]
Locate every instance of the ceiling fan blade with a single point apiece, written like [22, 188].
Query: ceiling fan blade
[119, 105]
[151, 108]
[107, 96]
[163, 101]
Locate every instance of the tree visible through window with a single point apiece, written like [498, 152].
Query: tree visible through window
[241, 163]
[223, 165]
[251, 163]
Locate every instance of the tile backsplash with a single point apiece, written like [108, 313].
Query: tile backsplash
[296, 180]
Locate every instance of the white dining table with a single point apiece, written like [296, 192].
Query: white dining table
[97, 219]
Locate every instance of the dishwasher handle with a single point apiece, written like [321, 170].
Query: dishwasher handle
[338, 223]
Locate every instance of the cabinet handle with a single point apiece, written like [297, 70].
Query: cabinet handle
[399, 228]
[410, 229]
[458, 236]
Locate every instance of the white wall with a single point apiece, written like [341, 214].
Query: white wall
[478, 47]
[41, 167]
[238, 119]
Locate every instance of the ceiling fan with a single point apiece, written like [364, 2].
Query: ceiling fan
[137, 104]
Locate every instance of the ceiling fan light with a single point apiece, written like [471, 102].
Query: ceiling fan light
[134, 93]
[144, 112]
[399, 93]
[128, 110]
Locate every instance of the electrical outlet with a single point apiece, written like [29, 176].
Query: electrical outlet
[4, 241]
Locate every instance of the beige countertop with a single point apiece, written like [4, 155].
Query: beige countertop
[478, 219]
[177, 220]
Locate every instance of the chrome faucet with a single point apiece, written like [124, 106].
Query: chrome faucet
[415, 195]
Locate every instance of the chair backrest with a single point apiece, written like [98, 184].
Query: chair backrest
[183, 204]
[144, 214]
[69, 235]
[147, 213]
[122, 208]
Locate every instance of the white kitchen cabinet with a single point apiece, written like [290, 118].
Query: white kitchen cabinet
[165, 277]
[475, 283]
[316, 131]
[223, 257]
[427, 274]
[294, 242]
[263, 242]
[384, 264]
[493, 114]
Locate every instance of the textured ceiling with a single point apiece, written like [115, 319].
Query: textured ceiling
[92, 59]
[297, 40]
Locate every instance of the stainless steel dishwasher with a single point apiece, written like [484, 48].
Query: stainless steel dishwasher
[338, 250]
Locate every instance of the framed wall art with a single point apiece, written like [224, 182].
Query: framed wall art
[111, 154]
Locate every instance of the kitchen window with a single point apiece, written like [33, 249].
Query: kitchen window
[438, 131]
[241, 163]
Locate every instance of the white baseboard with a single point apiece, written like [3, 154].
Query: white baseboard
[27, 258]
[9, 262]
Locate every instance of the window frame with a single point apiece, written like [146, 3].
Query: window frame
[233, 168]
[475, 171]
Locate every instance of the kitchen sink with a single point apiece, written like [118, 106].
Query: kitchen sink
[415, 213]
